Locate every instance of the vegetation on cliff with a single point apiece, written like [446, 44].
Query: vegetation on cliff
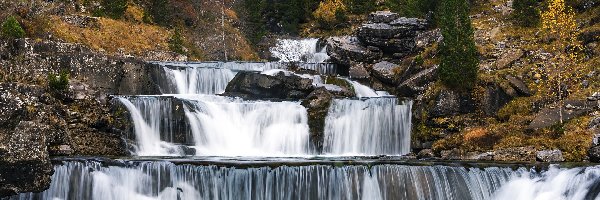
[11, 28]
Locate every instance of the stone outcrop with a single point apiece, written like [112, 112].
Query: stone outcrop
[550, 156]
[551, 115]
[387, 72]
[417, 83]
[251, 85]
[449, 102]
[317, 105]
[348, 50]
[397, 36]
[516, 154]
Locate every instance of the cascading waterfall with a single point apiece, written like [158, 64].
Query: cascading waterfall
[152, 123]
[92, 180]
[224, 126]
[197, 80]
[374, 126]
[365, 91]
[305, 50]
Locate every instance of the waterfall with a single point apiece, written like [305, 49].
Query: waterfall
[224, 126]
[305, 50]
[197, 80]
[165, 180]
[152, 123]
[374, 126]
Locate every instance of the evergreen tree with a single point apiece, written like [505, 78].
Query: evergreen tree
[459, 57]
[526, 13]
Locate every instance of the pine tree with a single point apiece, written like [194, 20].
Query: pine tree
[12, 29]
[459, 57]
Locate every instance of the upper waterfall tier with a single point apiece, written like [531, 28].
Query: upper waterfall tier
[165, 180]
[304, 50]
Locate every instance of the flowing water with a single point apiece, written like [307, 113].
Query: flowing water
[263, 150]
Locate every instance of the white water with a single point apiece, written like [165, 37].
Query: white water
[305, 50]
[375, 126]
[197, 80]
[365, 91]
[147, 116]
[224, 126]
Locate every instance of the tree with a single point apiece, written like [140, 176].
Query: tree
[330, 12]
[12, 29]
[564, 70]
[459, 57]
[526, 13]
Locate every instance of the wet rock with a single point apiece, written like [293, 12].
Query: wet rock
[386, 72]
[317, 105]
[251, 85]
[515, 154]
[417, 83]
[382, 17]
[358, 71]
[425, 153]
[518, 85]
[551, 115]
[550, 156]
[449, 103]
[25, 165]
[345, 50]
[594, 154]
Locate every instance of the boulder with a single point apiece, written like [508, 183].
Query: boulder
[386, 72]
[344, 50]
[358, 71]
[594, 154]
[508, 58]
[414, 24]
[417, 83]
[384, 31]
[518, 85]
[551, 115]
[317, 105]
[24, 162]
[251, 85]
[549, 156]
[425, 39]
[425, 153]
[382, 17]
[449, 103]
[515, 154]
[494, 98]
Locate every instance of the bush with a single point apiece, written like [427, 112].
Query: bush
[176, 42]
[12, 29]
[59, 82]
[526, 13]
[112, 8]
[330, 13]
[459, 57]
[158, 13]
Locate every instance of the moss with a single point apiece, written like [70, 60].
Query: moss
[519, 106]
[339, 82]
[11, 28]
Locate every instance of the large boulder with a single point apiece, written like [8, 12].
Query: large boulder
[252, 85]
[382, 17]
[386, 72]
[417, 83]
[515, 154]
[24, 161]
[347, 49]
[552, 114]
[518, 85]
[449, 102]
[396, 37]
[317, 105]
[494, 98]
[550, 156]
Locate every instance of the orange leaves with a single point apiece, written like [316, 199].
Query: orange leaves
[329, 10]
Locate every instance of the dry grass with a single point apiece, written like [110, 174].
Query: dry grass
[111, 35]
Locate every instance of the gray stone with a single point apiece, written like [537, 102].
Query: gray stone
[550, 156]
[494, 99]
[449, 103]
[317, 105]
[358, 71]
[417, 83]
[347, 50]
[382, 17]
[386, 72]
[411, 23]
[508, 58]
[551, 115]
[425, 153]
[518, 85]
[515, 154]
[251, 85]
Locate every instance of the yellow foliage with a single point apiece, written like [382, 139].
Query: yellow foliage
[328, 10]
[134, 13]
[111, 35]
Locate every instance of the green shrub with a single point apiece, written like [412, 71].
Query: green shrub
[12, 29]
[526, 13]
[59, 82]
[158, 12]
[176, 42]
[459, 58]
[112, 8]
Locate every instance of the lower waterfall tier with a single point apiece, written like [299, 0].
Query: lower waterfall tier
[165, 180]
